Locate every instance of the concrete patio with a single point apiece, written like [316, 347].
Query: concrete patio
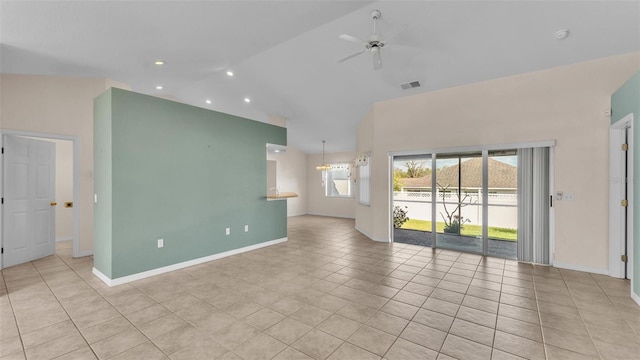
[498, 248]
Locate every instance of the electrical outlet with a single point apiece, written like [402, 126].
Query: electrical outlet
[228, 231]
[246, 228]
[160, 243]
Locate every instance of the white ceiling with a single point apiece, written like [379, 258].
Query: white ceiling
[284, 53]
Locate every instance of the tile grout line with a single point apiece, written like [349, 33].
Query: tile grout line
[15, 319]
[105, 299]
[495, 332]
[542, 332]
[63, 308]
[414, 315]
[580, 314]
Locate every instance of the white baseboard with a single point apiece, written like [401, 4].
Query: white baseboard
[332, 215]
[105, 279]
[372, 237]
[84, 253]
[64, 238]
[635, 297]
[182, 265]
[588, 269]
[296, 214]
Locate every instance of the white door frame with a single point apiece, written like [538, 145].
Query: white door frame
[552, 207]
[616, 194]
[76, 177]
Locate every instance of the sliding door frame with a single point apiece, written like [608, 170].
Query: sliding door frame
[484, 149]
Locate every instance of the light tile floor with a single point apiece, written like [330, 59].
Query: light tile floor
[327, 293]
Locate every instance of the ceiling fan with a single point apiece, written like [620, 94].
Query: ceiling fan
[374, 44]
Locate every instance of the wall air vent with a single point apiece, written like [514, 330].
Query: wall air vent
[410, 85]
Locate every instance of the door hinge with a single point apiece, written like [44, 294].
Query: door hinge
[625, 147]
[3, 150]
[2, 202]
[623, 258]
[624, 202]
[2, 251]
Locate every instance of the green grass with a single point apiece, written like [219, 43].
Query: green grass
[467, 230]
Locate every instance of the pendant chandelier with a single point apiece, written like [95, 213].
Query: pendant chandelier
[324, 166]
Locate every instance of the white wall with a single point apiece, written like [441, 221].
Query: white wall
[318, 203]
[58, 105]
[291, 173]
[567, 104]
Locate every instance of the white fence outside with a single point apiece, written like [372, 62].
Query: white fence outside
[502, 208]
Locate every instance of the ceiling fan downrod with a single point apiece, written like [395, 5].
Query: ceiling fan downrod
[375, 15]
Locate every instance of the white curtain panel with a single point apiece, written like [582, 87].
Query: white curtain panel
[533, 205]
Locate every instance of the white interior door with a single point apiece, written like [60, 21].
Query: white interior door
[28, 230]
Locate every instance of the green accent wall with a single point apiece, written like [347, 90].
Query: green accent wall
[624, 101]
[179, 173]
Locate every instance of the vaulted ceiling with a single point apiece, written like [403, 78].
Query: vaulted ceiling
[284, 53]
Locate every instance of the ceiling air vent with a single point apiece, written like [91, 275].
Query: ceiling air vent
[410, 85]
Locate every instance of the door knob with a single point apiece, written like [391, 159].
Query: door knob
[53, 203]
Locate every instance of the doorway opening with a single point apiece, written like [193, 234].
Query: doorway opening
[66, 191]
[621, 175]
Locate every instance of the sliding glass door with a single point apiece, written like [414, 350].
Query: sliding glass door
[412, 200]
[459, 201]
[502, 204]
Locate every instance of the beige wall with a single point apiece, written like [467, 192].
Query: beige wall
[63, 106]
[291, 173]
[363, 214]
[566, 104]
[64, 189]
[318, 203]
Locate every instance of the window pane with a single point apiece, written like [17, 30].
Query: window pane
[502, 204]
[459, 196]
[338, 181]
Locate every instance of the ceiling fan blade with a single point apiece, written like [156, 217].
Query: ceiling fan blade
[351, 56]
[352, 39]
[377, 61]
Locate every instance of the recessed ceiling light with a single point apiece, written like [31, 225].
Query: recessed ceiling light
[159, 62]
[562, 34]
[229, 73]
[159, 87]
[208, 101]
[247, 100]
